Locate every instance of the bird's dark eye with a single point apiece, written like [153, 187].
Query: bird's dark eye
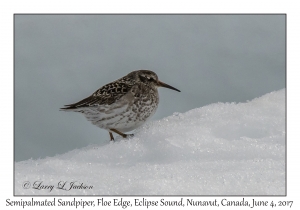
[143, 78]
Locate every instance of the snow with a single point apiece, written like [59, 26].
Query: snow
[218, 149]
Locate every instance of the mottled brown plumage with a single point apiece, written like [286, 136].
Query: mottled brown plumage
[124, 104]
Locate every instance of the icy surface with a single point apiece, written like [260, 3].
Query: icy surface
[219, 149]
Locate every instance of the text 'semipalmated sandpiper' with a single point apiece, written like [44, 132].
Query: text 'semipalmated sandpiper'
[122, 105]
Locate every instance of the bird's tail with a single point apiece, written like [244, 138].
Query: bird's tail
[69, 107]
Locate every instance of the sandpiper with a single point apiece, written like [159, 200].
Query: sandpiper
[122, 105]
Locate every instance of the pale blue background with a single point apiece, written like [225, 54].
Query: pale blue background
[61, 59]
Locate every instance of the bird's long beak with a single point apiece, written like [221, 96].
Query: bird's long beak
[161, 84]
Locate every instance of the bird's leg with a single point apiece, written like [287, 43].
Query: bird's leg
[111, 136]
[120, 133]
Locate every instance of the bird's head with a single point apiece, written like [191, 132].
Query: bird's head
[150, 78]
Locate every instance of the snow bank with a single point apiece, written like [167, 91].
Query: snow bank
[219, 149]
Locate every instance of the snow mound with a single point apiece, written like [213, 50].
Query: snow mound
[219, 149]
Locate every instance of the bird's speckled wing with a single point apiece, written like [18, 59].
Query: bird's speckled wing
[106, 95]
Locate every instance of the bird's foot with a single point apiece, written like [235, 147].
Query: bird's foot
[120, 133]
[129, 135]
